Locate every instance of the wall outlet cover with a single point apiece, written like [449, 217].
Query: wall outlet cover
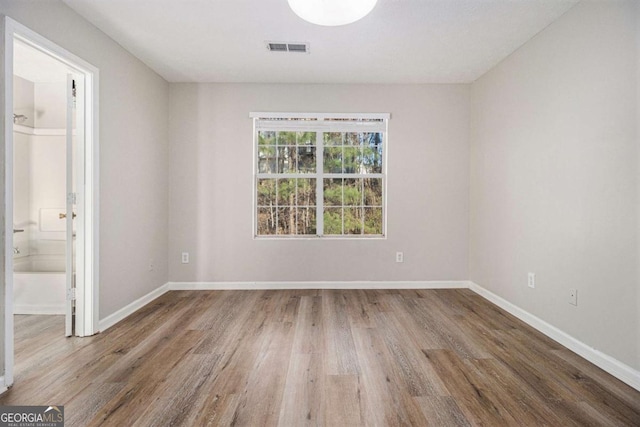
[531, 280]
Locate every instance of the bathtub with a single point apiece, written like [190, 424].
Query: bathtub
[39, 284]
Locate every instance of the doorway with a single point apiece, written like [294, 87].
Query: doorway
[42, 102]
[50, 138]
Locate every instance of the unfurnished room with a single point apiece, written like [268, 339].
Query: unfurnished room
[320, 212]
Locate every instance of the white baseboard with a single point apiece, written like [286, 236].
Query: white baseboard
[613, 366]
[219, 286]
[119, 315]
[38, 309]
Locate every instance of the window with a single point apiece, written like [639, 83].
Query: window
[319, 175]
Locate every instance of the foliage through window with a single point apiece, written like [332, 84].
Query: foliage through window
[319, 175]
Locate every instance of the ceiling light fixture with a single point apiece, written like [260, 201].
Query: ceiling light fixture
[332, 12]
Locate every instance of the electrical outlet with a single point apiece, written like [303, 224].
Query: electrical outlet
[573, 297]
[185, 257]
[531, 280]
[399, 257]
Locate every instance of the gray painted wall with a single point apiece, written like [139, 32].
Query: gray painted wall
[637, 15]
[133, 152]
[554, 175]
[211, 185]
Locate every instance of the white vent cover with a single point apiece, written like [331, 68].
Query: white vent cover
[288, 47]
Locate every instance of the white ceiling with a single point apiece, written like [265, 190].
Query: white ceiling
[401, 41]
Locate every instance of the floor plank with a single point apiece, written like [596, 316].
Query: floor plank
[302, 402]
[342, 393]
[314, 357]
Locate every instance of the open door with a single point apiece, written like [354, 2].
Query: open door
[69, 214]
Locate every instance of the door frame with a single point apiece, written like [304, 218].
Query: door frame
[88, 202]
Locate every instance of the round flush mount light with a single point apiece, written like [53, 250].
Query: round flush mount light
[332, 12]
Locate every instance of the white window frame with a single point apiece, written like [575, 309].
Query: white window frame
[320, 123]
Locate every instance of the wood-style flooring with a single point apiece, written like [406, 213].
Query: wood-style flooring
[326, 357]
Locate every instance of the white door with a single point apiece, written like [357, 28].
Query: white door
[69, 268]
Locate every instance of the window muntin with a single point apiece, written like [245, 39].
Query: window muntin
[319, 176]
[286, 152]
[353, 206]
[286, 206]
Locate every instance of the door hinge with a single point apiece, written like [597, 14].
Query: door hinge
[71, 294]
[72, 99]
[71, 198]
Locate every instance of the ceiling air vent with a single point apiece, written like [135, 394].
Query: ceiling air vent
[288, 47]
[296, 47]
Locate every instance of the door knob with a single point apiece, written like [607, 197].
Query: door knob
[64, 215]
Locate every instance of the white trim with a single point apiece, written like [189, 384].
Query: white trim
[316, 237]
[27, 130]
[7, 102]
[194, 286]
[92, 203]
[3, 385]
[320, 126]
[385, 180]
[69, 210]
[319, 116]
[613, 366]
[129, 309]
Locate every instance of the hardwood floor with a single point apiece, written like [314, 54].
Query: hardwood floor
[335, 358]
